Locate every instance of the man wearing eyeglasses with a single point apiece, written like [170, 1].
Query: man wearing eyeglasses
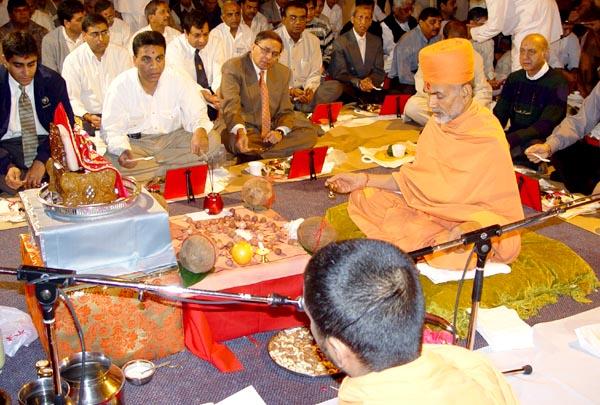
[90, 69]
[534, 99]
[302, 54]
[257, 119]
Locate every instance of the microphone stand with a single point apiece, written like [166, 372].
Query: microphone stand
[47, 281]
[482, 240]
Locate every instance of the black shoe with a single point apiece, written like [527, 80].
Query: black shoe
[242, 158]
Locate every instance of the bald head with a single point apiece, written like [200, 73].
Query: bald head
[533, 53]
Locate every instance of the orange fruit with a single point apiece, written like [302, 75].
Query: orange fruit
[242, 253]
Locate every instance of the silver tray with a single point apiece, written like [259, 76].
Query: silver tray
[52, 203]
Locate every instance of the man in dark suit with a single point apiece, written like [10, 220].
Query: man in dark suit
[273, 10]
[184, 7]
[29, 94]
[248, 129]
[357, 60]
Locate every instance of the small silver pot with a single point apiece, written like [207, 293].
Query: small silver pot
[41, 392]
[102, 382]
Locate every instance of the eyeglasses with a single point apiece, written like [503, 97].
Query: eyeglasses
[267, 51]
[295, 18]
[99, 34]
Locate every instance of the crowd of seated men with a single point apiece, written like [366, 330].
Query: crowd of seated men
[219, 50]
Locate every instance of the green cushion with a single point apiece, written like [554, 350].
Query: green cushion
[544, 270]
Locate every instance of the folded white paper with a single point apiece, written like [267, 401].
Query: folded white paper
[247, 396]
[438, 276]
[588, 337]
[502, 328]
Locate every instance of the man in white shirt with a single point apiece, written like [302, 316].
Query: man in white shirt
[90, 69]
[252, 18]
[333, 11]
[199, 58]
[158, 15]
[302, 55]
[157, 112]
[132, 12]
[519, 18]
[417, 107]
[235, 37]
[478, 16]
[61, 41]
[565, 55]
[118, 29]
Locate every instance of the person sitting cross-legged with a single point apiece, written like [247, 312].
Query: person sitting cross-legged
[257, 118]
[155, 112]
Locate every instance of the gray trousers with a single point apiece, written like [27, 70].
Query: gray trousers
[303, 135]
[327, 92]
[170, 151]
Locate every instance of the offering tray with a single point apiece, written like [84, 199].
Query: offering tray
[295, 350]
[52, 203]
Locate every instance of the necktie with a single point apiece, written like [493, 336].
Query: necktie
[265, 113]
[201, 78]
[362, 47]
[28, 131]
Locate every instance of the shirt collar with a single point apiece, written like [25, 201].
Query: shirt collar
[190, 49]
[257, 69]
[540, 73]
[288, 38]
[68, 39]
[14, 85]
[358, 37]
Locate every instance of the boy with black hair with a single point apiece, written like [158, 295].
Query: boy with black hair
[366, 308]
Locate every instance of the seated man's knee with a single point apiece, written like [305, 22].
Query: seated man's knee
[416, 109]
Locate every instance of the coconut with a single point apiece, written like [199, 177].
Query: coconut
[198, 254]
[258, 194]
[316, 232]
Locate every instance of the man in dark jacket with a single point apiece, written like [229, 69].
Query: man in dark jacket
[29, 94]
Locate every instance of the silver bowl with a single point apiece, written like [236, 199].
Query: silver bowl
[41, 392]
[52, 203]
[139, 372]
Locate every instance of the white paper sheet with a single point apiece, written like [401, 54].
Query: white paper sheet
[438, 276]
[247, 396]
[502, 328]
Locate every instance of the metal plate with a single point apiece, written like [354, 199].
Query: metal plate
[52, 203]
[295, 350]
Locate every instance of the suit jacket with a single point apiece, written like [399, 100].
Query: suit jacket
[396, 29]
[49, 89]
[241, 94]
[346, 63]
[271, 10]
[54, 49]
[175, 5]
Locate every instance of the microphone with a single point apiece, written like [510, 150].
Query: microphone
[526, 370]
[277, 300]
